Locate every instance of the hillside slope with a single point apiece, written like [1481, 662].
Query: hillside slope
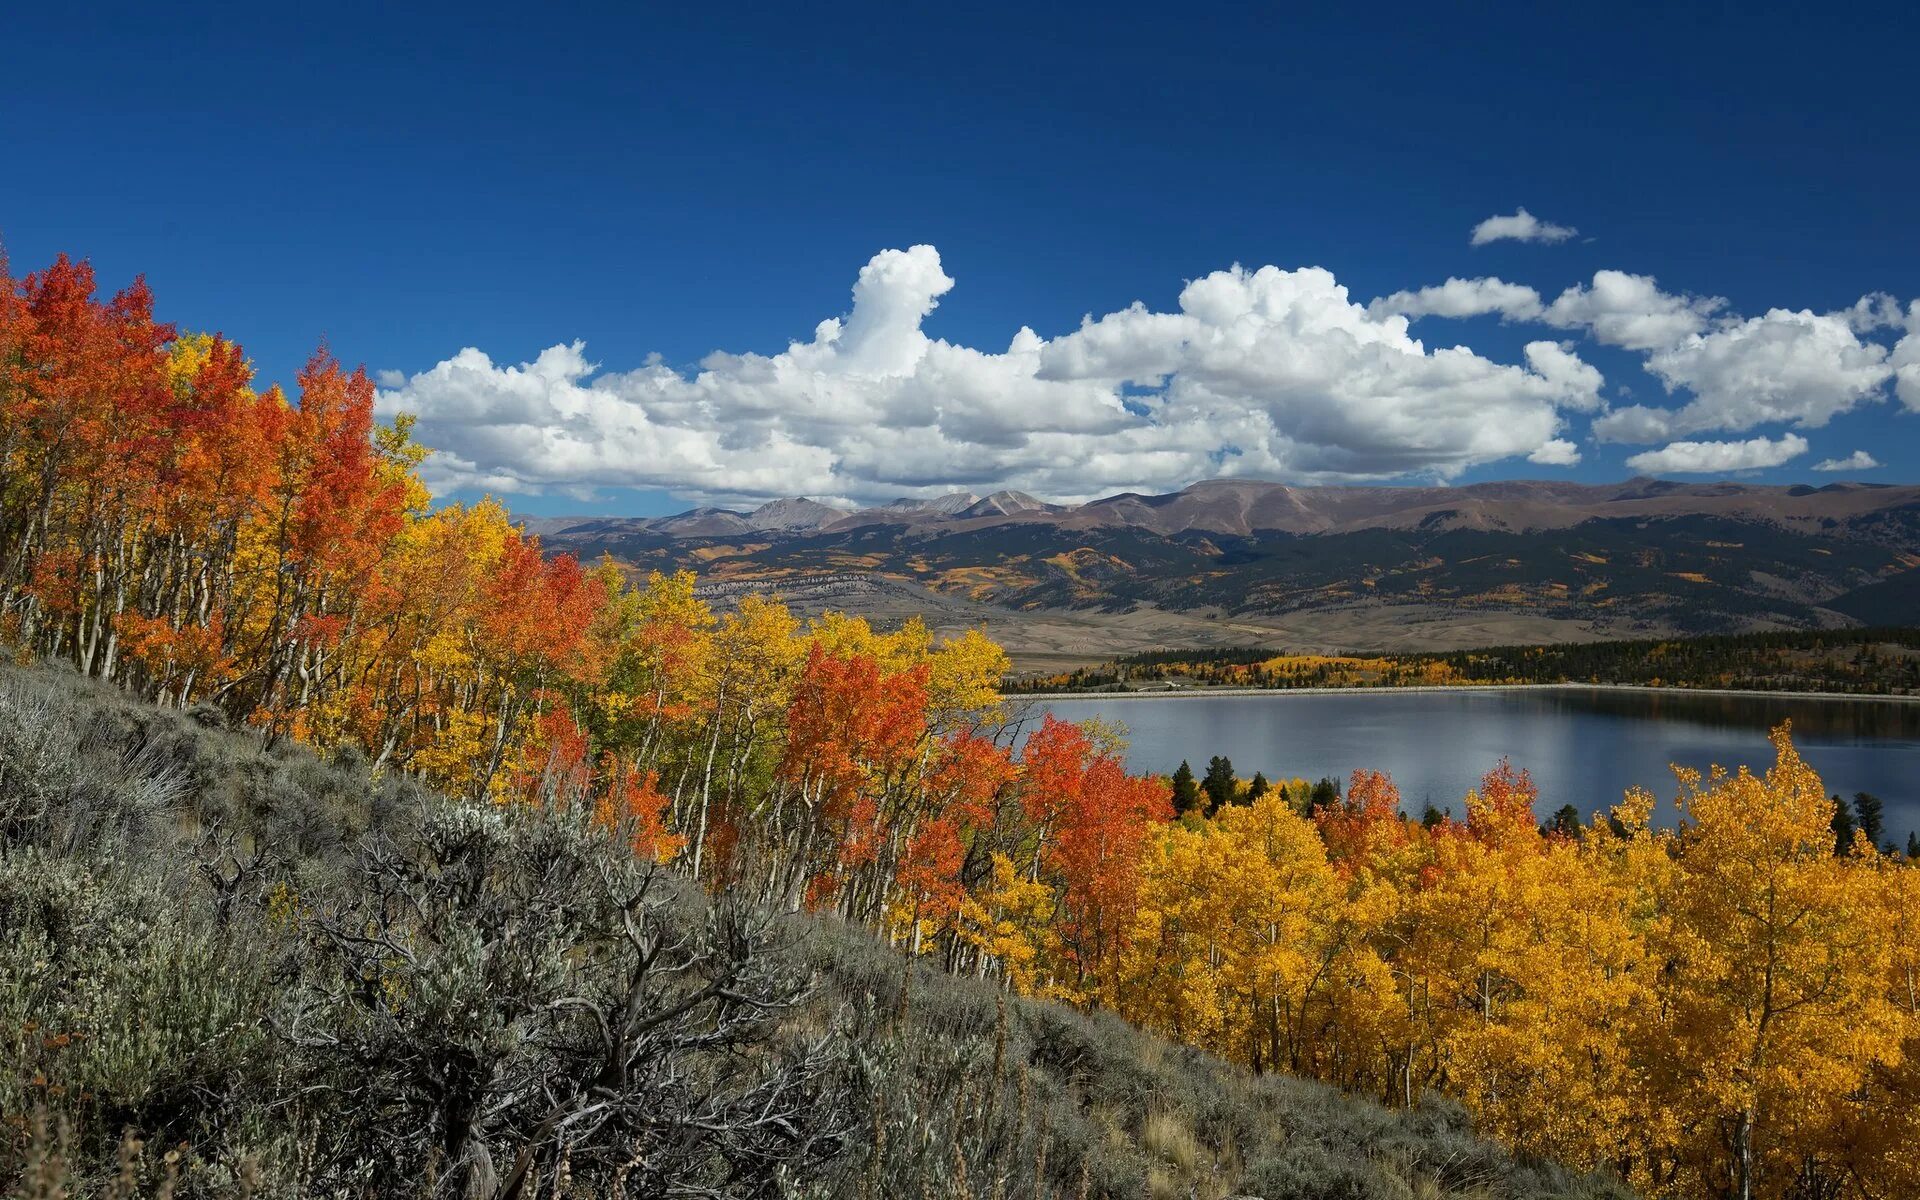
[231, 969]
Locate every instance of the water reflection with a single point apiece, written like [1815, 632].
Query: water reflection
[1859, 720]
[1584, 746]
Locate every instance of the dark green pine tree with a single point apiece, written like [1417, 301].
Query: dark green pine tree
[1218, 785]
[1913, 846]
[1186, 793]
[1325, 794]
[1868, 810]
[1565, 822]
[1257, 787]
[1843, 825]
[1432, 817]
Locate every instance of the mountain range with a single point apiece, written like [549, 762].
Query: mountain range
[1632, 558]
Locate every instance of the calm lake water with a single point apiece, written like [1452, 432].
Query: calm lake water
[1583, 746]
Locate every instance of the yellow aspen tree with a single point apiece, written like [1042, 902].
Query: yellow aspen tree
[1773, 1004]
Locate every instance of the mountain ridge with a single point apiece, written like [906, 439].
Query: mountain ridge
[1247, 506]
[1640, 557]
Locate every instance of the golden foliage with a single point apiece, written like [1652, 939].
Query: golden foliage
[1724, 1003]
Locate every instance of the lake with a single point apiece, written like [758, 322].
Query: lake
[1583, 746]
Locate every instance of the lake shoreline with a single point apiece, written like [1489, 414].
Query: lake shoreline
[1440, 688]
[1582, 744]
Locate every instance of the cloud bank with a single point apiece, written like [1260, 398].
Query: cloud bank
[1263, 372]
[1796, 368]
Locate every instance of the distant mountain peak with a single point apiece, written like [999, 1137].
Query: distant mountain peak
[949, 504]
[1006, 504]
[699, 522]
[795, 513]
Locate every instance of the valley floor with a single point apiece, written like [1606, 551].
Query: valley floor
[1042, 641]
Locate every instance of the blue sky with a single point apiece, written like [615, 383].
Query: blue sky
[410, 182]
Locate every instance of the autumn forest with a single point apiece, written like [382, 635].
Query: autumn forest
[1710, 1004]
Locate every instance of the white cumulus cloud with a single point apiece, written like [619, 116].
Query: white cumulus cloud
[1905, 361]
[1630, 311]
[1557, 453]
[1799, 368]
[1859, 460]
[1794, 367]
[1695, 458]
[1265, 372]
[1463, 298]
[1875, 311]
[1520, 226]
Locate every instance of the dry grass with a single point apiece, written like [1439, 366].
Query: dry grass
[946, 1086]
[1170, 1138]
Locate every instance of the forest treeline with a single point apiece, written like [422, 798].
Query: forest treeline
[1879, 661]
[1864, 815]
[1725, 1008]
